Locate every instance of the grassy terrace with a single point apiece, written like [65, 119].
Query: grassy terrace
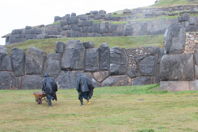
[113, 109]
[163, 17]
[48, 45]
[165, 3]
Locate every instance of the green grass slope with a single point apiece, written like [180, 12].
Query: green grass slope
[112, 109]
[48, 45]
[167, 3]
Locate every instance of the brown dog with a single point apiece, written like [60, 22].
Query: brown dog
[39, 97]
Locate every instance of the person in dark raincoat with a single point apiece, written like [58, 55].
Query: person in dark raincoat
[85, 88]
[49, 88]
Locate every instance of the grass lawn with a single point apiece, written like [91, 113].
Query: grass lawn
[113, 109]
[48, 45]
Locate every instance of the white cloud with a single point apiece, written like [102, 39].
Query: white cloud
[19, 13]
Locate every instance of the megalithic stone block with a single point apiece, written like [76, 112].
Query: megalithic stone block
[18, 61]
[179, 67]
[104, 57]
[118, 61]
[92, 59]
[73, 56]
[175, 37]
[7, 80]
[34, 61]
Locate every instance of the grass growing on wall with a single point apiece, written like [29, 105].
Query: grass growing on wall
[113, 109]
[163, 3]
[48, 45]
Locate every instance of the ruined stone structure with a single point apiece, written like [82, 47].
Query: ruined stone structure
[141, 21]
[175, 65]
[178, 68]
[106, 66]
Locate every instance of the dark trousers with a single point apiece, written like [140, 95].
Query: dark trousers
[85, 95]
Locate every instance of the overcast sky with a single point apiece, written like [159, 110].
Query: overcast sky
[16, 14]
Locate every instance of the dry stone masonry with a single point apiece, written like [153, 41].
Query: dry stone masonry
[175, 66]
[140, 21]
[178, 67]
[106, 66]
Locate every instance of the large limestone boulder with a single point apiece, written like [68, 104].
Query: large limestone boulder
[32, 82]
[175, 37]
[177, 67]
[67, 79]
[121, 80]
[196, 72]
[34, 63]
[88, 45]
[143, 80]
[7, 80]
[91, 59]
[104, 57]
[73, 56]
[196, 58]
[100, 75]
[60, 47]
[175, 85]
[184, 17]
[18, 61]
[147, 65]
[118, 61]
[5, 62]
[193, 85]
[52, 65]
[52, 29]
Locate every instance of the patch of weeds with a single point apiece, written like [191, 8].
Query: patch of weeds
[146, 130]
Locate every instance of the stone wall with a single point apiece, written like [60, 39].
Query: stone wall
[89, 28]
[191, 45]
[179, 67]
[106, 66]
[140, 21]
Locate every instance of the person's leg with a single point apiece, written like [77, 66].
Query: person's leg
[86, 96]
[80, 98]
[49, 100]
[55, 96]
